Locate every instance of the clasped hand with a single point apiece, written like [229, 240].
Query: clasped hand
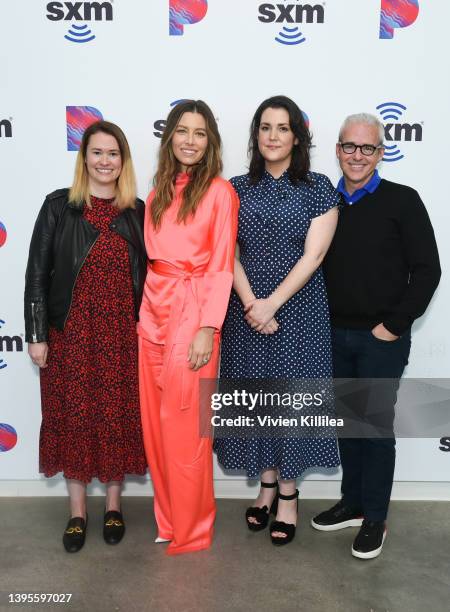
[259, 314]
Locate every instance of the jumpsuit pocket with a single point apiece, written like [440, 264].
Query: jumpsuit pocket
[181, 376]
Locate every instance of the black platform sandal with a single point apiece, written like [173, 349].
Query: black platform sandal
[281, 526]
[262, 514]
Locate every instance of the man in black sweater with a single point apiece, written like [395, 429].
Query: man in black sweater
[381, 272]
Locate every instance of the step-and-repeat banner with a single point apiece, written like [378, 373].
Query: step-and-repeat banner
[65, 64]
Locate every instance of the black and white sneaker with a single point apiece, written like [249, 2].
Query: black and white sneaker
[369, 541]
[337, 517]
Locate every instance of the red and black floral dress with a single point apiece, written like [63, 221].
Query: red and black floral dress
[90, 398]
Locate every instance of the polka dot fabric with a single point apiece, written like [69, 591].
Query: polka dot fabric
[91, 423]
[274, 218]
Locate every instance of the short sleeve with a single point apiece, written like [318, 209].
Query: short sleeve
[238, 183]
[323, 195]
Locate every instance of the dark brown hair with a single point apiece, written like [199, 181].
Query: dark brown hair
[300, 160]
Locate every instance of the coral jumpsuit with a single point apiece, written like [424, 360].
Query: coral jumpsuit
[188, 285]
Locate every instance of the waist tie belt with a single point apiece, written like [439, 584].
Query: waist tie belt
[184, 278]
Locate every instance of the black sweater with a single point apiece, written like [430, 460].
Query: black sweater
[383, 263]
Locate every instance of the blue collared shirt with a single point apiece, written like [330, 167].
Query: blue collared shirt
[369, 187]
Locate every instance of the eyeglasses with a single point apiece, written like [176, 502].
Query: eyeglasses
[366, 149]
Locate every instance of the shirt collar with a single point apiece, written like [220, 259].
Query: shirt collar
[369, 187]
[282, 178]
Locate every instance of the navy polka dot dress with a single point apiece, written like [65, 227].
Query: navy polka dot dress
[274, 218]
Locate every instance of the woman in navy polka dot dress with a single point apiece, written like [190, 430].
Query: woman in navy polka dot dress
[277, 326]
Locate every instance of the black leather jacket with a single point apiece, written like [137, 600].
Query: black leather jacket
[61, 241]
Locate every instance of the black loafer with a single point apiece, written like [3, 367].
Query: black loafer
[113, 527]
[75, 534]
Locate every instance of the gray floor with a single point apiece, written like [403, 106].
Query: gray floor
[242, 571]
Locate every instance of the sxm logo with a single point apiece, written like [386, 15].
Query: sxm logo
[291, 15]
[78, 118]
[6, 128]
[160, 124]
[185, 12]
[8, 437]
[79, 11]
[445, 444]
[9, 344]
[396, 131]
[397, 14]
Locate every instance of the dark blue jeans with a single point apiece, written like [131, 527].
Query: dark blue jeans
[368, 462]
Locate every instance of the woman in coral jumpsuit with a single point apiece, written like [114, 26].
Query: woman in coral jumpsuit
[190, 236]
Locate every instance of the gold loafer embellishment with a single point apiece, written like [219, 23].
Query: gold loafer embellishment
[72, 530]
[113, 523]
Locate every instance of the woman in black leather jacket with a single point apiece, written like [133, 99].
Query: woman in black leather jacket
[84, 282]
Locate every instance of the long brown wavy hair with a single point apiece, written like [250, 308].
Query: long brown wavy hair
[201, 174]
[126, 183]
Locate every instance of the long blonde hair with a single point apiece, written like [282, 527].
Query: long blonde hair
[125, 196]
[201, 174]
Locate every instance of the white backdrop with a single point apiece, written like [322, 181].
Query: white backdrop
[131, 66]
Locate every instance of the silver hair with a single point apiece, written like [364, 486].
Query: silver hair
[366, 119]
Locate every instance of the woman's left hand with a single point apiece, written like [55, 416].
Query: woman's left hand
[271, 327]
[259, 313]
[201, 347]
